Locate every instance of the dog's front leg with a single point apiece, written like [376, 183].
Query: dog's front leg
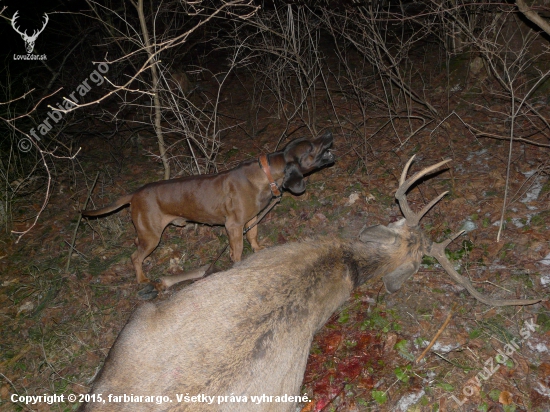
[235, 233]
[252, 234]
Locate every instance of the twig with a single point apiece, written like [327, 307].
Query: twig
[533, 16]
[78, 223]
[15, 389]
[441, 329]
[82, 255]
[458, 365]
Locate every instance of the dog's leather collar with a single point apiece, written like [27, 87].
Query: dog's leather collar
[264, 164]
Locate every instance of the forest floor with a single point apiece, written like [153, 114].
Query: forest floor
[56, 326]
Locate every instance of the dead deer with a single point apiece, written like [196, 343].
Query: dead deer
[247, 331]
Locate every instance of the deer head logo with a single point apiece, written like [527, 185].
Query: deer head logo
[29, 40]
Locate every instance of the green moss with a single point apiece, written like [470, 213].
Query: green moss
[230, 153]
[446, 386]
[524, 278]
[381, 321]
[287, 203]
[543, 320]
[344, 316]
[475, 333]
[467, 247]
[429, 261]
[540, 219]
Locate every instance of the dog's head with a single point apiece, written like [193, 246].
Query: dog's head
[303, 156]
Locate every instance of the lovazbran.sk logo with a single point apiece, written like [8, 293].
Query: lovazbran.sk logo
[29, 40]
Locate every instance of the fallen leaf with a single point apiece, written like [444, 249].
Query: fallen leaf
[391, 339]
[544, 369]
[4, 391]
[25, 307]
[370, 197]
[321, 217]
[331, 342]
[505, 398]
[352, 199]
[174, 263]
[309, 407]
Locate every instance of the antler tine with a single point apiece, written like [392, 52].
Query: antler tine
[405, 171]
[36, 32]
[430, 205]
[46, 20]
[404, 185]
[437, 251]
[13, 19]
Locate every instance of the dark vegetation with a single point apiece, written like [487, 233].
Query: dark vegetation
[196, 87]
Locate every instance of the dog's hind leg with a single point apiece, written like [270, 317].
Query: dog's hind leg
[147, 240]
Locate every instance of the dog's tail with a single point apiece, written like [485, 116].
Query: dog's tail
[124, 200]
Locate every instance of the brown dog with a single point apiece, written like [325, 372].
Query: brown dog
[232, 198]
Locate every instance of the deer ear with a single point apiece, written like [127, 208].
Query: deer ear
[394, 280]
[398, 224]
[294, 179]
[378, 234]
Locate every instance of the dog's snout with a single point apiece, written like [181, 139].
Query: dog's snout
[328, 156]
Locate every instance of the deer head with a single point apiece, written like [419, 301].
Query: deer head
[29, 40]
[437, 250]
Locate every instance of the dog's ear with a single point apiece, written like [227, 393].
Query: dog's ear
[296, 149]
[294, 179]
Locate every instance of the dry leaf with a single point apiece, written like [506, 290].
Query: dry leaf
[25, 307]
[352, 199]
[4, 391]
[544, 369]
[391, 340]
[505, 398]
[321, 217]
[309, 407]
[490, 314]
[174, 263]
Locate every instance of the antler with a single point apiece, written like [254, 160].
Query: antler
[412, 218]
[46, 20]
[15, 16]
[437, 250]
[24, 34]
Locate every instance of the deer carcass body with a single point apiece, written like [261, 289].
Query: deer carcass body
[247, 331]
